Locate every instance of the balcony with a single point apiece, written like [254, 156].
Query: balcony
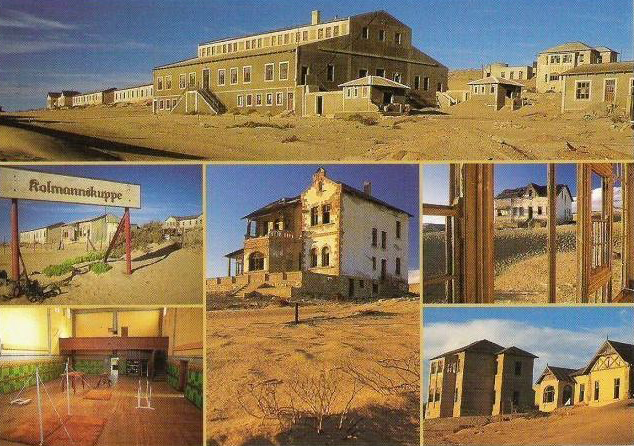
[275, 234]
[113, 343]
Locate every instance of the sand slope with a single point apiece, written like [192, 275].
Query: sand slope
[611, 424]
[255, 345]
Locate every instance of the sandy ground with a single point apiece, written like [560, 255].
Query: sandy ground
[465, 131]
[163, 276]
[175, 421]
[611, 424]
[247, 346]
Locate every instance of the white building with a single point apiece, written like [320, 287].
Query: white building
[138, 93]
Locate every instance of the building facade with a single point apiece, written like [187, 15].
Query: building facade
[528, 204]
[139, 93]
[183, 222]
[496, 92]
[51, 99]
[96, 232]
[607, 378]
[504, 71]
[94, 98]
[482, 378]
[50, 234]
[336, 237]
[273, 71]
[553, 62]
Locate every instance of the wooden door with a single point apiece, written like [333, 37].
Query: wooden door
[206, 79]
[609, 90]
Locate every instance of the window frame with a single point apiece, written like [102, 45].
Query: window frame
[233, 70]
[279, 98]
[222, 74]
[189, 79]
[272, 65]
[244, 71]
[240, 100]
[279, 74]
[581, 81]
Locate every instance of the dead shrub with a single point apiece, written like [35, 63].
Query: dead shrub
[389, 376]
[256, 125]
[289, 139]
[362, 119]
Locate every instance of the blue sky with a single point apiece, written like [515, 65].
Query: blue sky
[90, 44]
[234, 191]
[560, 336]
[165, 190]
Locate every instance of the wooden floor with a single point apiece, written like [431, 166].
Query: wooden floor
[175, 422]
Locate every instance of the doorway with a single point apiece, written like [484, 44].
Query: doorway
[566, 398]
[320, 105]
[206, 79]
[350, 287]
[182, 382]
[304, 75]
[609, 89]
[383, 269]
[387, 97]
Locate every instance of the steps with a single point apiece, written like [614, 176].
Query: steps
[212, 101]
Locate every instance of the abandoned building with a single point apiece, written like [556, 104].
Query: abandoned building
[607, 378]
[504, 71]
[496, 92]
[99, 97]
[183, 222]
[482, 378]
[96, 232]
[528, 205]
[123, 364]
[469, 267]
[608, 84]
[60, 99]
[40, 236]
[331, 240]
[134, 94]
[553, 62]
[288, 69]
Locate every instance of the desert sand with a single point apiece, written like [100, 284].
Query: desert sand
[263, 345]
[611, 424]
[165, 275]
[465, 131]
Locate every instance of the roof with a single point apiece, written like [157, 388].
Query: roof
[185, 217]
[110, 218]
[274, 206]
[53, 226]
[482, 346]
[516, 352]
[97, 91]
[561, 373]
[596, 68]
[542, 191]
[375, 81]
[625, 351]
[149, 84]
[495, 80]
[603, 49]
[360, 194]
[70, 92]
[569, 46]
[235, 253]
[54, 94]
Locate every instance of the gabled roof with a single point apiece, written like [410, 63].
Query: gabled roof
[569, 46]
[542, 191]
[54, 94]
[596, 68]
[561, 373]
[625, 351]
[515, 351]
[603, 49]
[376, 81]
[360, 194]
[495, 80]
[482, 346]
[70, 92]
[274, 206]
[53, 226]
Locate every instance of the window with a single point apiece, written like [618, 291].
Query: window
[240, 100]
[168, 83]
[549, 394]
[582, 392]
[596, 390]
[248, 45]
[279, 98]
[320, 33]
[373, 263]
[380, 72]
[539, 210]
[283, 71]
[328, 32]
[518, 368]
[365, 33]
[335, 30]
[503, 74]
[516, 398]
[383, 239]
[554, 77]
[325, 214]
[269, 72]
[249, 100]
[520, 75]
[161, 104]
[617, 388]
[631, 86]
[304, 36]
[330, 75]
[233, 76]
[287, 38]
[246, 75]
[361, 283]
[398, 229]
[433, 367]
[582, 90]
[313, 258]
[374, 237]
[159, 83]
[382, 35]
[297, 36]
[567, 58]
[416, 82]
[364, 91]
[192, 79]
[325, 256]
[555, 59]
[439, 86]
[256, 261]
[314, 216]
[492, 89]
[398, 38]
[512, 75]
[397, 77]
[425, 83]
[269, 99]
[167, 104]
[174, 103]
[258, 99]
[397, 269]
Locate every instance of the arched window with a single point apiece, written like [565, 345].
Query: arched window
[325, 256]
[256, 261]
[313, 257]
[549, 394]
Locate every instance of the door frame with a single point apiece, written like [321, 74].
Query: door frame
[605, 82]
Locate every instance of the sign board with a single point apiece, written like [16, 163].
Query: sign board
[41, 186]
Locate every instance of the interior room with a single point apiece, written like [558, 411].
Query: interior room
[101, 376]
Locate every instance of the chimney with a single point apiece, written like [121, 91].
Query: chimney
[315, 17]
[367, 188]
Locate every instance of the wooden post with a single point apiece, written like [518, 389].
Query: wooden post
[228, 266]
[128, 244]
[627, 185]
[552, 234]
[296, 313]
[584, 192]
[15, 243]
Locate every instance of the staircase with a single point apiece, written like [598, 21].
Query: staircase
[443, 99]
[212, 101]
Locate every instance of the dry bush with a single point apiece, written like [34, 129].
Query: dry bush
[292, 138]
[256, 124]
[362, 119]
[389, 376]
[142, 239]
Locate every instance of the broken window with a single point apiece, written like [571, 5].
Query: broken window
[365, 33]
[398, 38]
[256, 261]
[383, 239]
[398, 229]
[380, 72]
[397, 269]
[375, 237]
[313, 257]
[416, 82]
[425, 83]
[325, 256]
[330, 77]
[314, 216]
[382, 35]
[582, 90]
[325, 214]
[373, 263]
[549, 394]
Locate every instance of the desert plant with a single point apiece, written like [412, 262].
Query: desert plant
[361, 119]
[67, 265]
[100, 268]
[389, 376]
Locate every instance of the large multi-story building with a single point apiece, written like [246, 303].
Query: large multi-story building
[330, 239]
[607, 378]
[530, 204]
[553, 62]
[275, 70]
[482, 378]
[504, 71]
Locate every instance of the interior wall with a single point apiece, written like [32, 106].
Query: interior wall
[140, 323]
[184, 327]
[92, 324]
[32, 331]
[98, 324]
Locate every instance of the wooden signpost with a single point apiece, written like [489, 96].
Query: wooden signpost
[22, 184]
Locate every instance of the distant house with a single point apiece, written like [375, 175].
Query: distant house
[554, 61]
[94, 98]
[504, 71]
[138, 93]
[66, 98]
[51, 99]
[529, 204]
[184, 222]
[43, 235]
[496, 92]
[98, 231]
[610, 84]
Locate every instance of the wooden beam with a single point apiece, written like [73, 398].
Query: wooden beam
[584, 215]
[627, 186]
[440, 210]
[113, 343]
[552, 234]
[436, 280]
